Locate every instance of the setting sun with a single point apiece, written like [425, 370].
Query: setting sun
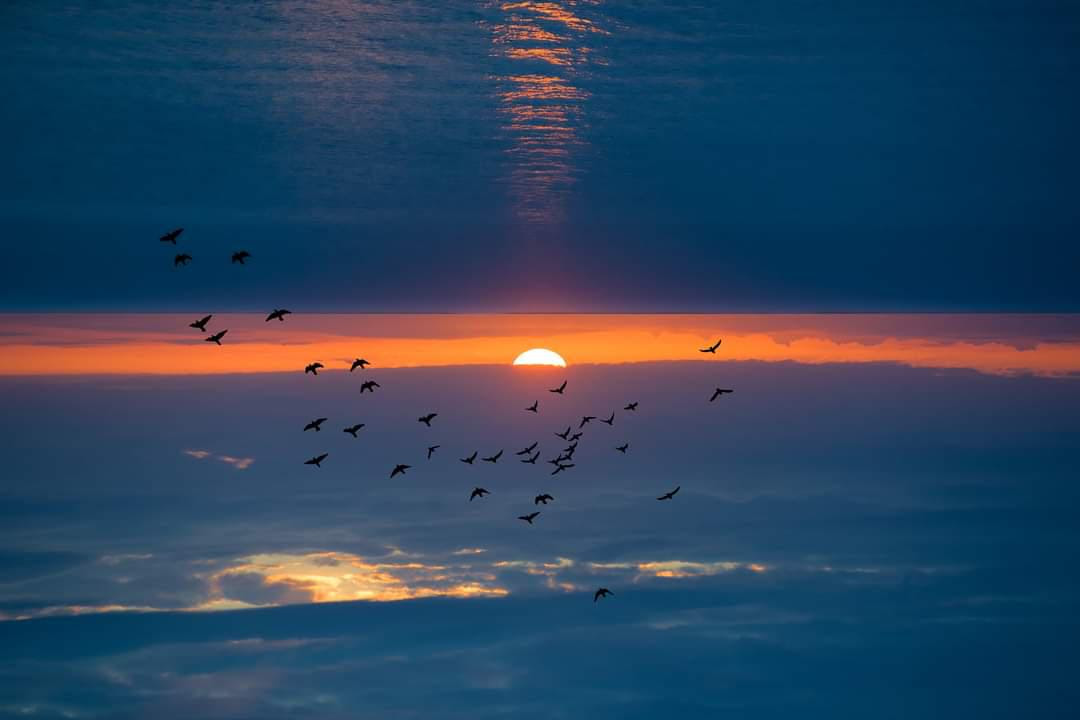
[540, 356]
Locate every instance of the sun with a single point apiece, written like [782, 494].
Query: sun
[540, 356]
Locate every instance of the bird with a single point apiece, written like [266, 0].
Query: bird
[471, 459]
[431, 450]
[570, 448]
[201, 324]
[601, 593]
[530, 517]
[719, 392]
[585, 420]
[622, 448]
[528, 450]
[368, 385]
[533, 407]
[354, 429]
[564, 435]
[181, 259]
[494, 458]
[317, 460]
[631, 407]
[171, 236]
[240, 256]
[359, 363]
[216, 337]
[712, 348]
[313, 368]
[575, 437]
[399, 469]
[610, 420]
[542, 499]
[559, 468]
[278, 314]
[532, 460]
[559, 389]
[314, 425]
[669, 495]
[426, 419]
[557, 461]
[478, 492]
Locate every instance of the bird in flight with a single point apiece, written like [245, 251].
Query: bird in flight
[240, 256]
[559, 389]
[216, 337]
[542, 499]
[530, 517]
[494, 458]
[278, 314]
[575, 437]
[478, 492]
[313, 368]
[532, 460]
[471, 459]
[359, 363]
[181, 259]
[601, 593]
[557, 461]
[559, 468]
[719, 392]
[171, 236]
[610, 420]
[631, 407]
[399, 469]
[314, 425]
[534, 407]
[431, 450]
[570, 449]
[669, 495]
[368, 385]
[585, 420]
[317, 460]
[622, 448]
[354, 429]
[712, 348]
[564, 435]
[426, 419]
[201, 324]
[528, 450]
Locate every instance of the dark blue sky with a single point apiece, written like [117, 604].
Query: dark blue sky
[467, 156]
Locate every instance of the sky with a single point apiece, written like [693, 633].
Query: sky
[865, 210]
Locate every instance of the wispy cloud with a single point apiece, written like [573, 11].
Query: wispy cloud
[240, 463]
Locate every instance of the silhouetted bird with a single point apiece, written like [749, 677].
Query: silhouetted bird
[571, 448]
[494, 458]
[314, 425]
[354, 429]
[313, 368]
[719, 392]
[399, 469]
[216, 337]
[201, 324]
[564, 435]
[559, 389]
[530, 517]
[601, 593]
[527, 450]
[712, 348]
[585, 420]
[426, 419]
[431, 450]
[478, 492]
[669, 495]
[181, 259]
[575, 437]
[622, 448]
[359, 363]
[556, 461]
[534, 407]
[471, 459]
[278, 314]
[171, 236]
[317, 460]
[610, 420]
[542, 499]
[631, 407]
[532, 460]
[240, 256]
[368, 385]
[559, 468]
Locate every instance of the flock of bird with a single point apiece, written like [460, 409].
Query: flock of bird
[529, 455]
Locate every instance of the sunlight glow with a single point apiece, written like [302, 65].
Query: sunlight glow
[540, 356]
